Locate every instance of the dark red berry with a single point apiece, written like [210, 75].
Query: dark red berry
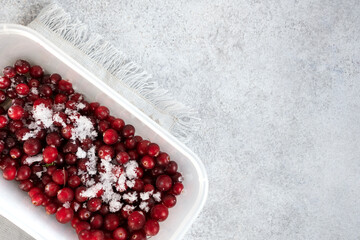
[64, 215]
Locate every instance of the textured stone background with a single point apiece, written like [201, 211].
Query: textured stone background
[277, 85]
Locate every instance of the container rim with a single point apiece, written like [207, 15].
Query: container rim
[201, 198]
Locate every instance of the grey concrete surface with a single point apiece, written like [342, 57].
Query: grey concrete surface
[277, 86]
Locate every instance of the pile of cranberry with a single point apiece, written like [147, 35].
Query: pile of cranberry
[52, 178]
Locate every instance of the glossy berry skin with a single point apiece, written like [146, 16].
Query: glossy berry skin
[51, 189]
[53, 139]
[142, 146]
[2, 97]
[169, 200]
[147, 162]
[60, 176]
[163, 182]
[128, 131]
[111, 222]
[23, 173]
[153, 150]
[51, 208]
[22, 66]
[4, 82]
[84, 214]
[177, 188]
[26, 185]
[110, 136]
[151, 227]
[138, 235]
[122, 157]
[82, 225]
[32, 146]
[102, 112]
[38, 199]
[22, 89]
[84, 235]
[120, 234]
[96, 221]
[117, 124]
[171, 168]
[136, 220]
[74, 181]
[36, 71]
[78, 195]
[94, 204]
[106, 151]
[163, 159]
[9, 72]
[65, 195]
[3, 121]
[50, 154]
[9, 173]
[64, 215]
[16, 112]
[159, 212]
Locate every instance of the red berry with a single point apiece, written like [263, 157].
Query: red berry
[51, 208]
[138, 235]
[102, 112]
[51, 189]
[94, 106]
[32, 146]
[151, 227]
[9, 72]
[64, 215]
[85, 235]
[117, 124]
[171, 168]
[74, 181]
[15, 153]
[55, 78]
[38, 199]
[65, 195]
[4, 82]
[60, 98]
[78, 194]
[163, 159]
[106, 151]
[64, 85]
[159, 212]
[16, 112]
[103, 126]
[36, 71]
[163, 182]
[33, 191]
[2, 97]
[130, 143]
[128, 131]
[22, 66]
[153, 149]
[149, 188]
[94, 204]
[110, 136]
[104, 209]
[26, 185]
[23, 173]
[66, 131]
[84, 214]
[169, 200]
[50, 154]
[96, 221]
[136, 220]
[9, 173]
[111, 222]
[22, 89]
[45, 91]
[53, 139]
[122, 157]
[147, 162]
[97, 235]
[3, 121]
[60, 176]
[120, 234]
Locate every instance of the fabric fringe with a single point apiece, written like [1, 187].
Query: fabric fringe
[183, 120]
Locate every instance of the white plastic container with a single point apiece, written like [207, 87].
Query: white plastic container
[16, 42]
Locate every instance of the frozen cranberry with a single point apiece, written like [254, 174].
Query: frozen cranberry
[130, 143]
[74, 181]
[36, 71]
[51, 189]
[156, 171]
[15, 152]
[53, 139]
[110, 136]
[22, 89]
[75, 221]
[133, 154]
[94, 204]
[163, 183]
[120, 234]
[169, 200]
[26, 185]
[33, 191]
[103, 126]
[51, 208]
[60, 98]
[177, 177]
[139, 172]
[78, 194]
[66, 131]
[59, 176]
[139, 185]
[96, 221]
[159, 212]
[11, 93]
[34, 83]
[46, 102]
[38, 199]
[119, 147]
[151, 227]
[82, 226]
[122, 157]
[64, 215]
[153, 149]
[102, 112]
[117, 124]
[138, 235]
[23, 173]
[45, 178]
[85, 235]
[22, 66]
[136, 220]
[32, 146]
[149, 187]
[55, 78]
[171, 168]
[106, 151]
[147, 162]
[94, 106]
[177, 188]
[9, 72]
[65, 195]
[111, 222]
[2, 97]
[59, 119]
[50, 154]
[81, 164]
[9, 173]
[72, 170]
[84, 214]
[128, 131]
[97, 235]
[10, 142]
[104, 209]
[16, 112]
[64, 86]
[4, 82]
[15, 125]
[2, 145]
[45, 91]
[3, 121]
